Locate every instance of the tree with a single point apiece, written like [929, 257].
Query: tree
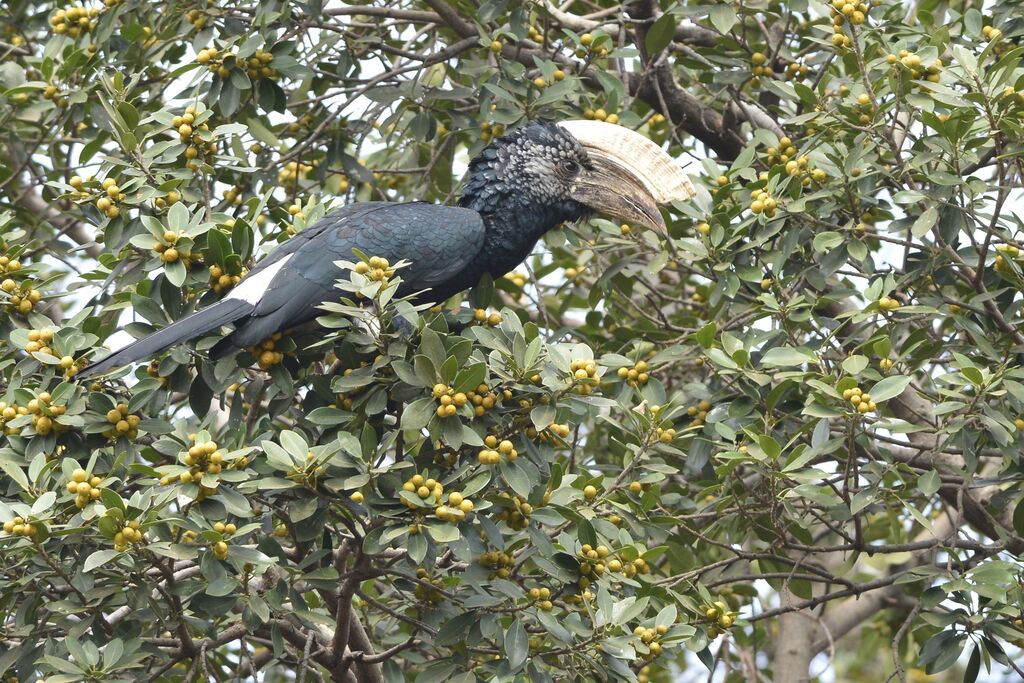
[787, 440]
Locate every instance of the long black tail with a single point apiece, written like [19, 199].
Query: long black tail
[221, 313]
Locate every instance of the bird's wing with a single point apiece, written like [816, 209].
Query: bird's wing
[439, 241]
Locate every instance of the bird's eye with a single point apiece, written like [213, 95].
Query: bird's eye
[569, 166]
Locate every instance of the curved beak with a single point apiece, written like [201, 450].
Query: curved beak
[612, 190]
[630, 175]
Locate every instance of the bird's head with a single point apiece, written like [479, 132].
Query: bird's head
[578, 168]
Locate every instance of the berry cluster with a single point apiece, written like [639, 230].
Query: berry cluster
[265, 355]
[592, 560]
[422, 487]
[19, 527]
[449, 401]
[666, 435]
[344, 399]
[1004, 253]
[518, 279]
[307, 474]
[74, 21]
[763, 203]
[226, 529]
[483, 398]
[490, 131]
[9, 412]
[554, 434]
[888, 303]
[170, 251]
[84, 487]
[375, 268]
[589, 44]
[9, 265]
[991, 34]
[600, 115]
[43, 413]
[721, 618]
[699, 412]
[500, 563]
[220, 550]
[52, 93]
[108, 204]
[495, 450]
[431, 594]
[122, 423]
[289, 176]
[39, 341]
[650, 637]
[221, 281]
[843, 11]
[129, 533]
[485, 318]
[172, 197]
[456, 509]
[256, 67]
[21, 299]
[760, 69]
[584, 376]
[201, 457]
[636, 376]
[194, 133]
[515, 511]
[541, 597]
[859, 399]
[912, 62]
[796, 166]
[197, 18]
[795, 70]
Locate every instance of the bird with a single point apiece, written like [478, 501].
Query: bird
[519, 187]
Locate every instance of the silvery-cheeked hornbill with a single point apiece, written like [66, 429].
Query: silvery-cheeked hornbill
[518, 188]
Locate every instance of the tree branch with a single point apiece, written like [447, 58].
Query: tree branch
[34, 204]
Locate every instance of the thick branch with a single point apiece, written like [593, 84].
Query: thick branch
[792, 657]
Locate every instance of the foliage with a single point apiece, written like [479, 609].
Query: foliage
[792, 429]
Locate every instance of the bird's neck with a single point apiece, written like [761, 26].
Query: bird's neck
[514, 222]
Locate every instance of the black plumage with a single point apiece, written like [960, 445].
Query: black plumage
[518, 188]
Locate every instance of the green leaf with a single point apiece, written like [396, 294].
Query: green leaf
[417, 414]
[97, 559]
[925, 222]
[723, 17]
[295, 444]
[517, 645]
[660, 34]
[443, 533]
[470, 378]
[854, 365]
[455, 629]
[890, 387]
[176, 273]
[177, 217]
[929, 482]
[784, 356]
[1018, 517]
[828, 240]
[43, 503]
[705, 336]
[585, 533]
[973, 663]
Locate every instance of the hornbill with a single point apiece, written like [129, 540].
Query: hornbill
[519, 187]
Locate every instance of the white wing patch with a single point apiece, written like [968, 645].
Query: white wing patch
[251, 289]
